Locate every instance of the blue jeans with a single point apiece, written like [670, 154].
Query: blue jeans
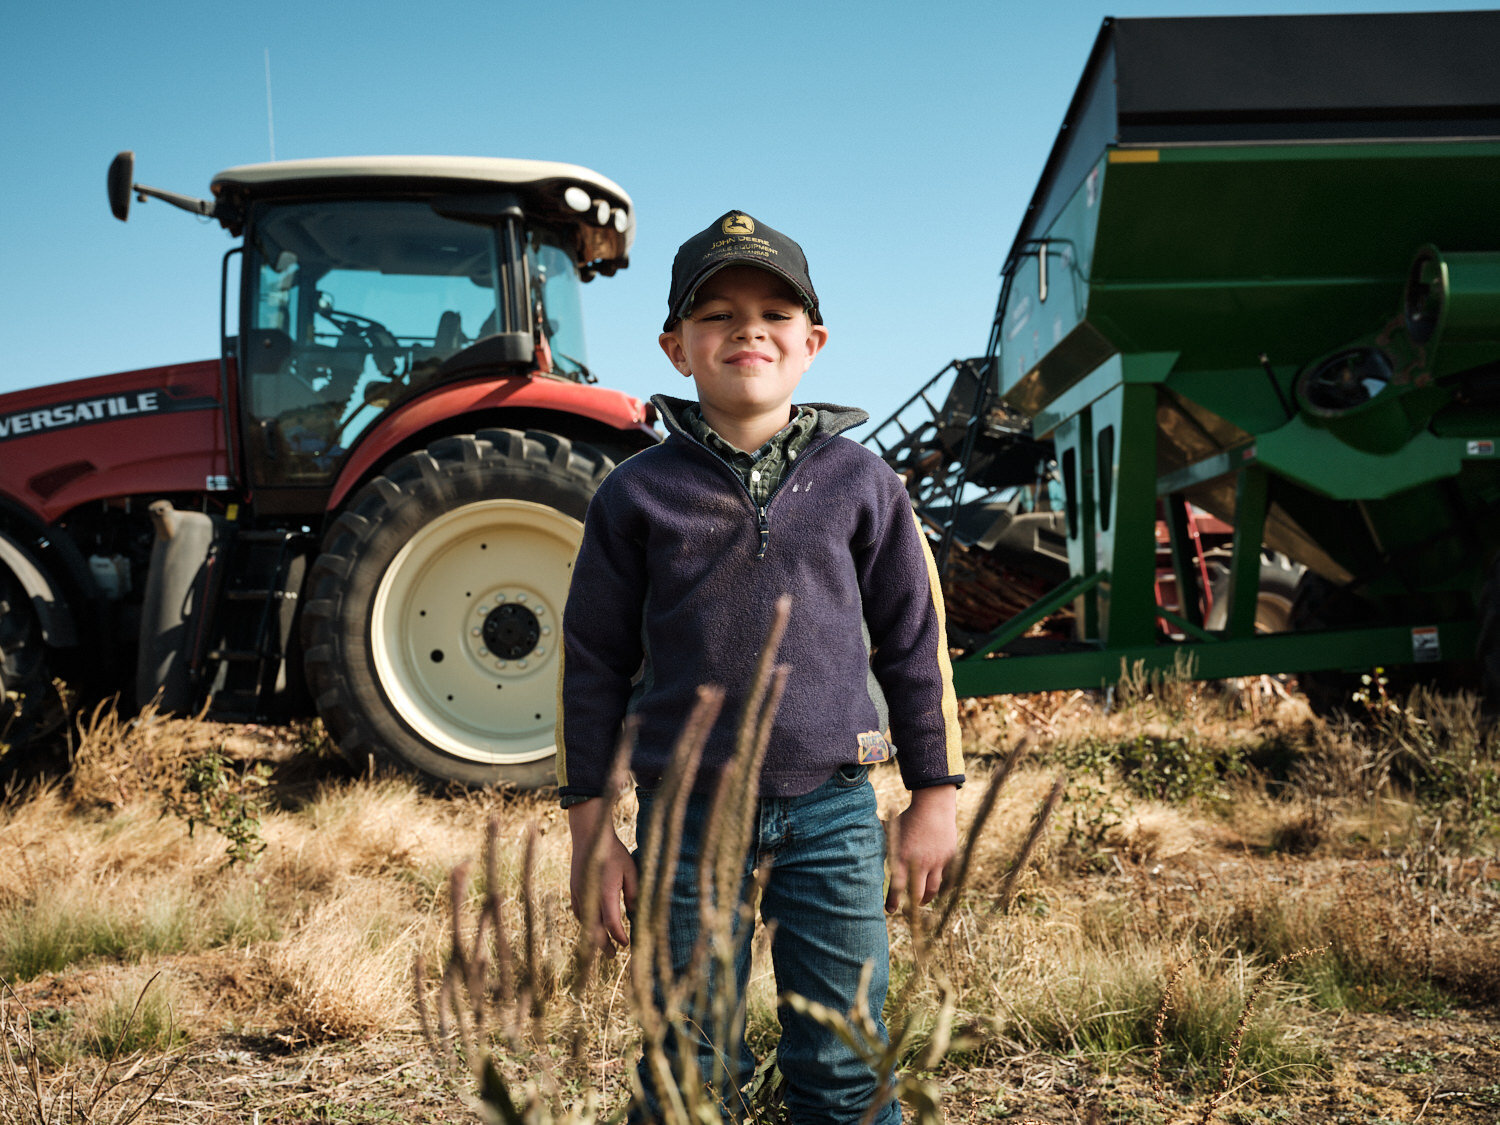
[826, 855]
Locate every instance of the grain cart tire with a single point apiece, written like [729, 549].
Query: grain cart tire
[1275, 593]
[29, 705]
[431, 623]
[1489, 639]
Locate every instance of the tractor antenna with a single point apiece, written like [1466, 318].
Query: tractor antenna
[270, 120]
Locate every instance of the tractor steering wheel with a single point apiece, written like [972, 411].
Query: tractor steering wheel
[379, 340]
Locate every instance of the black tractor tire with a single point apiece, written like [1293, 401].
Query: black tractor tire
[1489, 639]
[1275, 593]
[432, 622]
[30, 708]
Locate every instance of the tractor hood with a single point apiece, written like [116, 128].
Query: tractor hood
[153, 431]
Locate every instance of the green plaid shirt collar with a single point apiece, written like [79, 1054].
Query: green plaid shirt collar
[762, 470]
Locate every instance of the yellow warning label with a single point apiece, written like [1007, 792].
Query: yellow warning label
[1134, 155]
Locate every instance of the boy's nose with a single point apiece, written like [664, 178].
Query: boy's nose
[751, 329]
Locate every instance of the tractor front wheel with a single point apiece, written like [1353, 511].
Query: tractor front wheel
[432, 627]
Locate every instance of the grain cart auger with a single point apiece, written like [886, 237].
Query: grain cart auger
[1259, 278]
[368, 505]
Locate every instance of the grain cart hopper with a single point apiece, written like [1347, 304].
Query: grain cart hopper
[1259, 277]
[367, 506]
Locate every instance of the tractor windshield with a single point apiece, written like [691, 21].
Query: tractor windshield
[356, 304]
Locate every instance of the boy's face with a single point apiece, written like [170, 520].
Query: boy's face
[745, 343]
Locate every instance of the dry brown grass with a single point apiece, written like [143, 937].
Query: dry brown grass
[310, 947]
[1152, 832]
[328, 919]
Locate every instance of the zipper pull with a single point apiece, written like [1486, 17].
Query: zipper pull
[765, 534]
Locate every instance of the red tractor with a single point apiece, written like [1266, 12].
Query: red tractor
[368, 506]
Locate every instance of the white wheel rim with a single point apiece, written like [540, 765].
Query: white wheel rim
[427, 629]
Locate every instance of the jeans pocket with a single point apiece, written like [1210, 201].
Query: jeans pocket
[850, 776]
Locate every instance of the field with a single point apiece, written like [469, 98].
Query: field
[220, 924]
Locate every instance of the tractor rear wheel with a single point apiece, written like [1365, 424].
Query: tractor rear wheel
[29, 706]
[432, 623]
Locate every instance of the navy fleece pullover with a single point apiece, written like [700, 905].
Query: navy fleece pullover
[678, 577]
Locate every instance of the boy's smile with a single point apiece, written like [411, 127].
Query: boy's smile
[746, 343]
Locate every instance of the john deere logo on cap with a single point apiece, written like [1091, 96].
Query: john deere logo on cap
[738, 224]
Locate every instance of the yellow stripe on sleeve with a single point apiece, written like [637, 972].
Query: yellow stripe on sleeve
[951, 735]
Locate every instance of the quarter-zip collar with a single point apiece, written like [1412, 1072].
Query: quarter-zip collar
[831, 420]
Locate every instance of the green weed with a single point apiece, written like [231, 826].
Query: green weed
[212, 793]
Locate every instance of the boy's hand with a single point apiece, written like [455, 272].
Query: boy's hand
[613, 880]
[927, 840]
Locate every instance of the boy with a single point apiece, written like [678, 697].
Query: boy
[686, 549]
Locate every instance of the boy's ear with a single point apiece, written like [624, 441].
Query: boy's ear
[817, 336]
[671, 343]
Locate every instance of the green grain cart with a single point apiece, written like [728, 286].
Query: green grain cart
[1259, 278]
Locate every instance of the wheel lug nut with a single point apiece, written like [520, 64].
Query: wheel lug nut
[541, 651]
[520, 663]
[484, 652]
[500, 664]
[520, 597]
[546, 630]
[474, 632]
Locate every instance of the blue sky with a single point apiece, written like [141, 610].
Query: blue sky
[899, 143]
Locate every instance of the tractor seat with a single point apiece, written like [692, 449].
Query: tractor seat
[449, 336]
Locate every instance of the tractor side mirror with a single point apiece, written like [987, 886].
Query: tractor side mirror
[121, 179]
[122, 186]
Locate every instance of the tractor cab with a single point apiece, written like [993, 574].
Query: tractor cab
[367, 281]
[369, 506]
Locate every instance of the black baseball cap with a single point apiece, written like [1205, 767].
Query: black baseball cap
[735, 239]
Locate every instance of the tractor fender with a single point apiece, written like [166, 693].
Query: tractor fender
[598, 404]
[53, 615]
[173, 608]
